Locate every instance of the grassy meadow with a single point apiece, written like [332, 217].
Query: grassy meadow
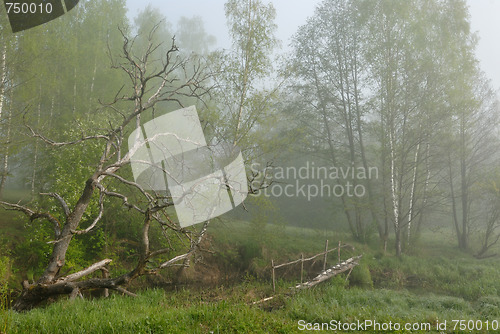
[437, 283]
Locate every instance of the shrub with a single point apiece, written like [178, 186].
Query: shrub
[361, 276]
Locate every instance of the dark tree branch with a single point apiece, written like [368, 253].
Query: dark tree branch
[61, 200]
[33, 215]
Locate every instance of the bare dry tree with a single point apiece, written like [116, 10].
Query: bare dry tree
[172, 78]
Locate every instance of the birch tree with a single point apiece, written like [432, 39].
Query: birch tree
[329, 73]
[8, 81]
[50, 61]
[414, 67]
[245, 92]
[488, 193]
[472, 155]
[382, 70]
[252, 27]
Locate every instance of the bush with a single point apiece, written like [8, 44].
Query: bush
[249, 251]
[361, 276]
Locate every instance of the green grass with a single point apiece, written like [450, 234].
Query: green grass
[220, 311]
[333, 302]
[435, 283]
[152, 312]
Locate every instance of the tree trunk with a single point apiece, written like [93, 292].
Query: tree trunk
[465, 205]
[58, 256]
[364, 161]
[3, 83]
[394, 195]
[464, 189]
[426, 188]
[5, 167]
[398, 242]
[412, 193]
[384, 230]
[35, 155]
[454, 205]
[331, 148]
[347, 115]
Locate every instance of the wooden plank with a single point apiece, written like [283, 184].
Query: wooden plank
[329, 273]
[274, 281]
[323, 276]
[326, 254]
[302, 268]
[339, 253]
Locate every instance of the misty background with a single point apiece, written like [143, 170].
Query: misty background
[292, 14]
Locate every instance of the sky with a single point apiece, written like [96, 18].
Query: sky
[485, 19]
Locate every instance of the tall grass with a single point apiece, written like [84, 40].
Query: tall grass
[4, 293]
[152, 312]
[434, 283]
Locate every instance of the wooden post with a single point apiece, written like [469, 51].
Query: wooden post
[326, 254]
[274, 283]
[105, 274]
[350, 271]
[339, 252]
[301, 268]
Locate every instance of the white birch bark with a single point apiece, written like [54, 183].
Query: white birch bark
[5, 169]
[3, 78]
[412, 192]
[35, 156]
[395, 205]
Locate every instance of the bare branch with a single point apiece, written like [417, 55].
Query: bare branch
[75, 293]
[194, 246]
[159, 252]
[58, 144]
[96, 220]
[87, 271]
[120, 196]
[145, 236]
[129, 183]
[61, 200]
[35, 215]
[124, 291]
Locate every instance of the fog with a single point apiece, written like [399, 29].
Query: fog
[292, 14]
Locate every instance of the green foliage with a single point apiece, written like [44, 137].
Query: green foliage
[67, 169]
[152, 312]
[360, 276]
[263, 213]
[241, 111]
[421, 288]
[5, 293]
[33, 252]
[252, 28]
[248, 252]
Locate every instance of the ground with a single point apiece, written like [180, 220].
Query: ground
[436, 286]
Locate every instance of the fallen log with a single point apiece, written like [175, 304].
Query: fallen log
[329, 273]
[325, 275]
